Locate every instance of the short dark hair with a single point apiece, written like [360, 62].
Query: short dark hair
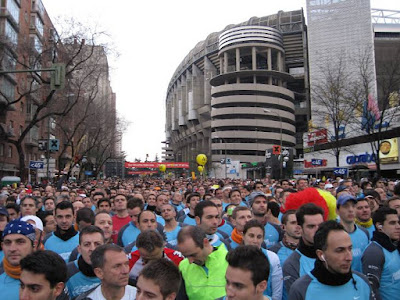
[253, 223]
[308, 209]
[141, 213]
[195, 233]
[274, 208]
[163, 273]
[43, 215]
[90, 230]
[237, 209]
[64, 205]
[364, 184]
[98, 194]
[379, 216]
[321, 236]
[98, 254]
[13, 206]
[191, 195]
[199, 209]
[48, 263]
[374, 194]
[285, 216]
[29, 197]
[149, 240]
[257, 183]
[233, 191]
[86, 215]
[250, 258]
[391, 199]
[48, 198]
[103, 200]
[135, 202]
[396, 190]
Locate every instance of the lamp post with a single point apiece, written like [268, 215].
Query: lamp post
[223, 141]
[268, 111]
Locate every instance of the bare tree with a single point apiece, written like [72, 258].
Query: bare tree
[381, 114]
[75, 47]
[334, 103]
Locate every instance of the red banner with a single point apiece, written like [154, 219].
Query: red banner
[317, 137]
[169, 165]
[142, 172]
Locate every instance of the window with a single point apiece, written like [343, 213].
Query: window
[7, 89]
[11, 33]
[1, 149]
[22, 107]
[9, 153]
[21, 129]
[39, 25]
[13, 8]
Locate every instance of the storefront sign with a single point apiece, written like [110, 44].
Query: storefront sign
[317, 137]
[360, 159]
[321, 163]
[389, 151]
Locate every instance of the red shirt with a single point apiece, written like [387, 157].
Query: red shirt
[118, 223]
[136, 263]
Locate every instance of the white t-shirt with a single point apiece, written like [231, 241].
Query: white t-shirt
[130, 293]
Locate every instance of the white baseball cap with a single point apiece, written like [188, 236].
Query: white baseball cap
[38, 223]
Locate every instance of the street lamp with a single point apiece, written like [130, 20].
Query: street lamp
[223, 141]
[268, 111]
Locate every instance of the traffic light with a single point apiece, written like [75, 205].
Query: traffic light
[57, 79]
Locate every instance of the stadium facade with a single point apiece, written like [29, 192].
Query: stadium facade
[238, 93]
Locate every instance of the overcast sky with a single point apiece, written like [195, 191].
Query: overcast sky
[153, 37]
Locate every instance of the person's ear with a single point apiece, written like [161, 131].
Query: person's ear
[99, 273]
[320, 254]
[260, 288]
[171, 296]
[197, 219]
[79, 249]
[58, 289]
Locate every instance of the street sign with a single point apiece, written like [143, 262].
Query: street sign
[36, 164]
[42, 145]
[228, 161]
[340, 171]
[222, 161]
[54, 145]
[276, 149]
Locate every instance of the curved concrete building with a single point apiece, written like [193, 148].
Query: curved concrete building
[251, 108]
[239, 92]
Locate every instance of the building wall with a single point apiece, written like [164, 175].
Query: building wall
[338, 32]
[24, 26]
[189, 112]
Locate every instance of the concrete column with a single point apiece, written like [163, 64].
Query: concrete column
[269, 62]
[210, 71]
[221, 65]
[225, 62]
[254, 58]
[269, 59]
[279, 64]
[237, 59]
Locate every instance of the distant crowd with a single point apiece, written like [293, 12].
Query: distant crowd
[205, 239]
